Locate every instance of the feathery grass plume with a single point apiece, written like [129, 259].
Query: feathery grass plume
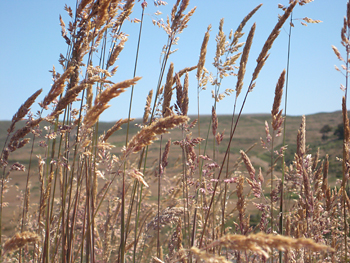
[325, 175]
[101, 101]
[116, 127]
[220, 42]
[147, 107]
[178, 87]
[82, 5]
[301, 139]
[248, 164]
[254, 184]
[166, 154]
[178, 19]
[276, 113]
[262, 243]
[23, 142]
[345, 121]
[203, 53]
[64, 31]
[207, 257]
[116, 52]
[89, 90]
[127, 10]
[137, 175]
[57, 88]
[23, 110]
[337, 53]
[20, 133]
[71, 95]
[184, 105]
[244, 60]
[238, 34]
[148, 134]
[316, 159]
[278, 94]
[241, 207]
[19, 240]
[102, 13]
[184, 70]
[214, 120]
[168, 91]
[272, 37]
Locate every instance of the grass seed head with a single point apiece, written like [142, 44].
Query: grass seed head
[19, 240]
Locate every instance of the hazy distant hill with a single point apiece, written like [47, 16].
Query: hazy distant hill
[250, 128]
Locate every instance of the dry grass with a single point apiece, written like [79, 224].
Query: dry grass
[93, 204]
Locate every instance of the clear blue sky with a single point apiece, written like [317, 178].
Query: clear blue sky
[31, 43]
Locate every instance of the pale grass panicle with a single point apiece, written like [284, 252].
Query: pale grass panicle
[116, 127]
[149, 133]
[23, 110]
[147, 107]
[244, 60]
[272, 37]
[214, 121]
[57, 88]
[276, 113]
[262, 243]
[101, 101]
[185, 101]
[203, 53]
[168, 91]
[238, 33]
[183, 71]
[19, 240]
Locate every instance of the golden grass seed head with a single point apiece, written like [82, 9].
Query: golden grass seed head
[185, 100]
[214, 121]
[147, 107]
[203, 53]
[301, 138]
[244, 60]
[23, 110]
[185, 70]
[168, 91]
[19, 240]
[116, 127]
[116, 51]
[345, 121]
[278, 94]
[337, 53]
[262, 243]
[148, 133]
[57, 88]
[238, 34]
[272, 37]
[101, 101]
[220, 41]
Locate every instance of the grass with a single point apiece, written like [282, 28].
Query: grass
[77, 194]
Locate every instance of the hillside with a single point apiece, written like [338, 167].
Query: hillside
[250, 129]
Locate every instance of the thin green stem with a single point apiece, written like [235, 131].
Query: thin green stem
[284, 134]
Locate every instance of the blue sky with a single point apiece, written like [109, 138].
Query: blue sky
[31, 43]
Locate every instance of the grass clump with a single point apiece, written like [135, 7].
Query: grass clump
[191, 197]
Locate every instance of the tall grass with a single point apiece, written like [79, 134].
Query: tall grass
[140, 204]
